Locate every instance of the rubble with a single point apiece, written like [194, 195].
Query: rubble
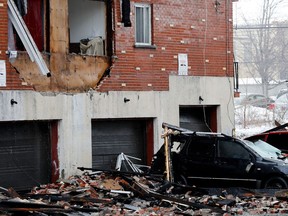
[121, 193]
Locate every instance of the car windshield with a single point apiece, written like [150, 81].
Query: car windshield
[264, 149]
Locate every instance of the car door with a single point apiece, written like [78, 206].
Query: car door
[234, 163]
[197, 160]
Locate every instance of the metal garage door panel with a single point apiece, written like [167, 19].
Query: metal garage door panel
[110, 138]
[193, 118]
[24, 154]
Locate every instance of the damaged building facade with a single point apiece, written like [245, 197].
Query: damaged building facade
[82, 81]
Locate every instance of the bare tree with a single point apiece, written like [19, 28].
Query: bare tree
[264, 43]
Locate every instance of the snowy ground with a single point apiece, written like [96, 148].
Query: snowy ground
[241, 132]
[251, 120]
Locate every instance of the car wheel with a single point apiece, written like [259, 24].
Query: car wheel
[276, 182]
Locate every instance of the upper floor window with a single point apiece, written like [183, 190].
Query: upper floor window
[143, 24]
[87, 27]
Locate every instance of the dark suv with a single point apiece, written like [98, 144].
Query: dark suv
[214, 159]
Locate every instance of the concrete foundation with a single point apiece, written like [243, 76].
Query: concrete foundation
[74, 112]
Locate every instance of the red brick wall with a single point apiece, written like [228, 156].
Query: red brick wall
[210, 38]
[13, 81]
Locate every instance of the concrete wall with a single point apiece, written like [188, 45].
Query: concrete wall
[75, 111]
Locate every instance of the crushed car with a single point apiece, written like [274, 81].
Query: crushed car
[206, 159]
[277, 137]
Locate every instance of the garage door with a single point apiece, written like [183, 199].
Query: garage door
[24, 154]
[198, 118]
[110, 138]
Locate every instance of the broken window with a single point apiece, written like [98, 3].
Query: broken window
[87, 27]
[143, 24]
[34, 14]
[201, 149]
[125, 4]
[15, 13]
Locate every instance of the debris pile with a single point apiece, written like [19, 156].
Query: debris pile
[117, 193]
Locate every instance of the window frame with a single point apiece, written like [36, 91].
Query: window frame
[201, 148]
[144, 6]
[232, 147]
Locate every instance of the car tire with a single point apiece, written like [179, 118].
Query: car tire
[276, 182]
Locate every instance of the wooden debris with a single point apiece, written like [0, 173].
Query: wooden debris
[112, 193]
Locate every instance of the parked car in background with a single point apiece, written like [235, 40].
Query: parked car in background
[277, 137]
[218, 160]
[257, 100]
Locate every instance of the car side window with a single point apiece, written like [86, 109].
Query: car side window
[201, 149]
[230, 149]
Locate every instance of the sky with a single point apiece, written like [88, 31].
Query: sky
[251, 9]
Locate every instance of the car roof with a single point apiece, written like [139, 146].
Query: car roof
[188, 132]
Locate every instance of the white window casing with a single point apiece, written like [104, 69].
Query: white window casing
[143, 24]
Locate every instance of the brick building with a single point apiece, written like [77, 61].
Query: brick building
[82, 81]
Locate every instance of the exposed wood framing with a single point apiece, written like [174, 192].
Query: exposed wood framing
[75, 73]
[69, 72]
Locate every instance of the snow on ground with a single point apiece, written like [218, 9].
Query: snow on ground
[250, 120]
[241, 132]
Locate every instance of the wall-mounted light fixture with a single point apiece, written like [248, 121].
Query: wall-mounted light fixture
[12, 102]
[126, 100]
[200, 99]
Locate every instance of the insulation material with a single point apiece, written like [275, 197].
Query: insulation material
[92, 47]
[75, 74]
